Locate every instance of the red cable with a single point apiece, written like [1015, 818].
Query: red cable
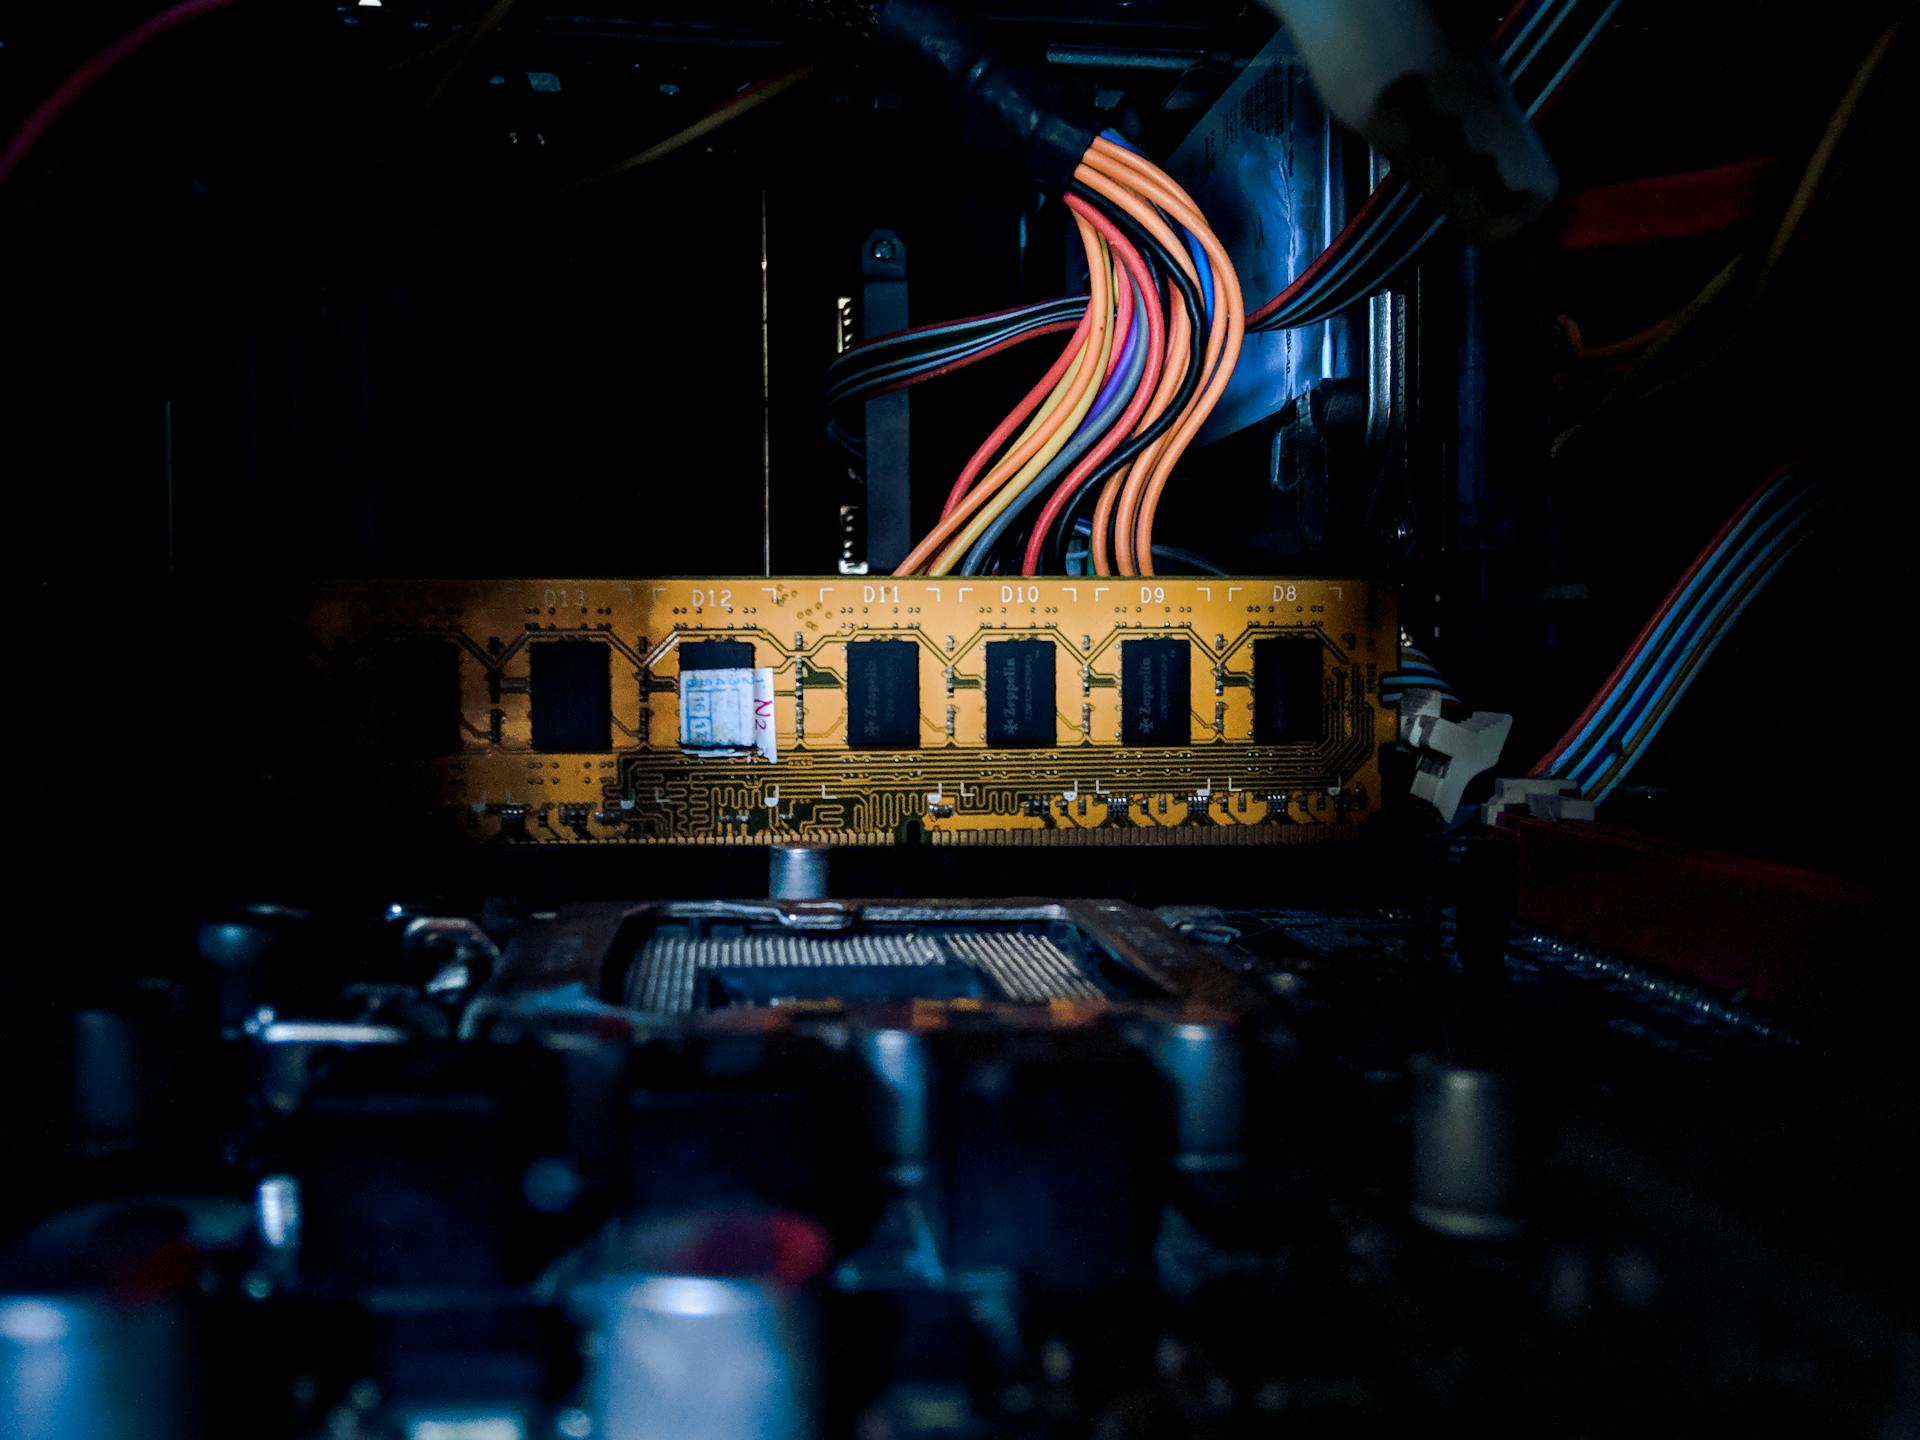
[991, 445]
[1123, 321]
[1512, 18]
[1389, 183]
[1665, 207]
[1646, 631]
[1143, 392]
[44, 115]
[937, 325]
[1057, 327]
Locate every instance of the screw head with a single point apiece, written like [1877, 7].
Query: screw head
[883, 249]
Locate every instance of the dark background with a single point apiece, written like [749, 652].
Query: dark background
[302, 291]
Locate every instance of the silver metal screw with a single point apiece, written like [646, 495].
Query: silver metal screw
[797, 872]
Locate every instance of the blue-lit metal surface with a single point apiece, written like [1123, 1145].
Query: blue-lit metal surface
[1264, 165]
[83, 1368]
[692, 1357]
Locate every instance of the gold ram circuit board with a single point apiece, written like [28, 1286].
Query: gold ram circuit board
[857, 711]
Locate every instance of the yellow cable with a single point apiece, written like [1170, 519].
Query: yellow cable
[957, 551]
[1052, 403]
[1019, 452]
[935, 540]
[1101, 334]
[750, 99]
[1097, 313]
[1055, 397]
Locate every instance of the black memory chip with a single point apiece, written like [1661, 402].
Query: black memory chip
[1288, 707]
[883, 694]
[1020, 692]
[572, 694]
[1156, 678]
[716, 655]
[416, 696]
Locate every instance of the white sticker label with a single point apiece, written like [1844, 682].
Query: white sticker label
[727, 712]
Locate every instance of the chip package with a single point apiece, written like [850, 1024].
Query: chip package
[854, 711]
[570, 694]
[1155, 680]
[883, 694]
[1020, 685]
[1287, 706]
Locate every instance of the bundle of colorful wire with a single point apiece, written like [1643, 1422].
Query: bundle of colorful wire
[1612, 735]
[1538, 46]
[894, 362]
[1152, 349]
[1417, 672]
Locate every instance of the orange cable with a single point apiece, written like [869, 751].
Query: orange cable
[951, 523]
[991, 445]
[1229, 306]
[1119, 189]
[1058, 424]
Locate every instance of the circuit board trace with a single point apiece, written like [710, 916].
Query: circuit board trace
[1026, 722]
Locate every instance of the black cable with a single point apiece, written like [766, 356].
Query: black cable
[1053, 558]
[873, 361]
[1145, 242]
[1021, 113]
[1197, 564]
[1063, 527]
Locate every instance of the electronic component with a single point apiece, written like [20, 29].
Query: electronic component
[1448, 754]
[1155, 680]
[883, 694]
[1544, 799]
[1020, 689]
[1289, 705]
[1046, 711]
[570, 693]
[727, 712]
[716, 655]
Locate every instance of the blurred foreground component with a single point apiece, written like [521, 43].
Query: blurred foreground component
[1435, 103]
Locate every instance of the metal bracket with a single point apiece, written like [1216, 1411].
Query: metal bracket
[889, 477]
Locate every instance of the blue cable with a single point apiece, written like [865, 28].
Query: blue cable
[1698, 591]
[1729, 603]
[1026, 317]
[867, 380]
[1572, 60]
[1520, 56]
[1516, 63]
[1194, 248]
[1682, 641]
[1631, 757]
[1109, 401]
[1676, 614]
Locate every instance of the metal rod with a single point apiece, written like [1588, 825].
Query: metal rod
[766, 403]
